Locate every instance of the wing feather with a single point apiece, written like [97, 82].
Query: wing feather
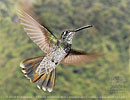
[39, 34]
[78, 57]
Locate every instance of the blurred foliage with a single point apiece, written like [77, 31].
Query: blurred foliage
[108, 76]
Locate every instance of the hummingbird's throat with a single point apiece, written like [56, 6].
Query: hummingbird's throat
[67, 37]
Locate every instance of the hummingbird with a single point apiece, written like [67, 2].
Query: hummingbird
[42, 69]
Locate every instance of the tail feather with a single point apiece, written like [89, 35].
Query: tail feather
[29, 66]
[41, 80]
[45, 81]
[44, 84]
[51, 81]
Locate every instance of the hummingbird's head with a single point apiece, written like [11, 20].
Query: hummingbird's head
[67, 36]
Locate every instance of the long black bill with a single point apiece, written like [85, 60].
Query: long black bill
[81, 28]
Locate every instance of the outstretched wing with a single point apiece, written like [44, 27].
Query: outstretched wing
[39, 34]
[78, 57]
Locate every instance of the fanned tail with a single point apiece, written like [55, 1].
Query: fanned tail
[44, 81]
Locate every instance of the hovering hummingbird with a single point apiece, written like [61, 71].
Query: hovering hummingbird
[43, 69]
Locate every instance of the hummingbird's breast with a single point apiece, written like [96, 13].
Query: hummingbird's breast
[52, 60]
[56, 55]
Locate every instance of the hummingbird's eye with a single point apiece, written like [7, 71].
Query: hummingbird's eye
[64, 34]
[67, 32]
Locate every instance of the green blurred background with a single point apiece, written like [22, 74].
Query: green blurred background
[107, 78]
